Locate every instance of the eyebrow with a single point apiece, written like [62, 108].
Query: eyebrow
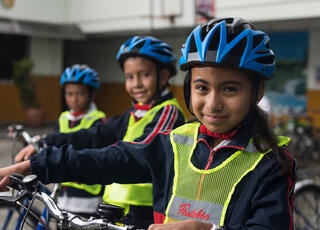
[231, 82]
[223, 83]
[201, 81]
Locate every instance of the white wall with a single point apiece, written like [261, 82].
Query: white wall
[47, 56]
[123, 15]
[268, 10]
[36, 10]
[101, 16]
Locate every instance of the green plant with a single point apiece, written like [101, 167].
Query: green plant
[22, 79]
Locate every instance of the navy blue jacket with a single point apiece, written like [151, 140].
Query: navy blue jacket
[104, 134]
[262, 200]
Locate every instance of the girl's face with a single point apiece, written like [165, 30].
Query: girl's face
[220, 97]
[141, 79]
[77, 97]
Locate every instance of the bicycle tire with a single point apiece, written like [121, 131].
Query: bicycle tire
[307, 205]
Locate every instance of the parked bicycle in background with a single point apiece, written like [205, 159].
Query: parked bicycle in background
[306, 145]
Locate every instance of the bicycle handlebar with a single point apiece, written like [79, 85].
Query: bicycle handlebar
[28, 187]
[16, 131]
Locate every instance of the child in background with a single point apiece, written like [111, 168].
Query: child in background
[147, 63]
[79, 84]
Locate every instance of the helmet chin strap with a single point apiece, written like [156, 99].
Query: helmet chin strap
[159, 89]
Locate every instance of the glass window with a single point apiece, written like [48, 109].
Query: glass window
[12, 48]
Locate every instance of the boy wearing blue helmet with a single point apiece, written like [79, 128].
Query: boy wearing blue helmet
[147, 63]
[79, 83]
[225, 171]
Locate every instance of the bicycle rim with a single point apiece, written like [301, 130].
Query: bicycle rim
[307, 208]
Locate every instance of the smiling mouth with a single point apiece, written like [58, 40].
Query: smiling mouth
[215, 118]
[139, 93]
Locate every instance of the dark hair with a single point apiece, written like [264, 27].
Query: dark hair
[263, 136]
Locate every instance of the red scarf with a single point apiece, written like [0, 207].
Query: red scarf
[143, 107]
[222, 136]
[76, 114]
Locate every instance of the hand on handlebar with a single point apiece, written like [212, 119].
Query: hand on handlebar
[25, 153]
[182, 225]
[4, 179]
[22, 168]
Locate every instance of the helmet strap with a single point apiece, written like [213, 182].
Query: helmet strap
[187, 90]
[159, 88]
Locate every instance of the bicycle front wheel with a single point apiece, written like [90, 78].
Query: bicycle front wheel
[307, 206]
[11, 218]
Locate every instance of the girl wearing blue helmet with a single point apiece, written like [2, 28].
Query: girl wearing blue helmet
[226, 170]
[147, 63]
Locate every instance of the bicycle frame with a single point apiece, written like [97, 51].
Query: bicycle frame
[28, 187]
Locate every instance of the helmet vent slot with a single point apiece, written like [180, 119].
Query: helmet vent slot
[192, 48]
[161, 52]
[214, 42]
[139, 45]
[235, 54]
[257, 40]
[265, 60]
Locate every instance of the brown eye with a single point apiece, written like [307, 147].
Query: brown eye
[230, 90]
[145, 74]
[128, 77]
[201, 88]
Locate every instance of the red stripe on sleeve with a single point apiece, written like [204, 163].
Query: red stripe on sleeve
[173, 119]
[160, 124]
[290, 201]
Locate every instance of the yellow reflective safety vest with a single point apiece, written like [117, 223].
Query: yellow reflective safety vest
[141, 194]
[85, 123]
[204, 195]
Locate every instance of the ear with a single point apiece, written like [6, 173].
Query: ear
[164, 77]
[260, 91]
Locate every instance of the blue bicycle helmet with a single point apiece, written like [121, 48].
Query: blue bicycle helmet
[82, 74]
[148, 47]
[231, 42]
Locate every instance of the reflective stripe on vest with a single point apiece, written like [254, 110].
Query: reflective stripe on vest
[135, 194]
[204, 195]
[85, 123]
